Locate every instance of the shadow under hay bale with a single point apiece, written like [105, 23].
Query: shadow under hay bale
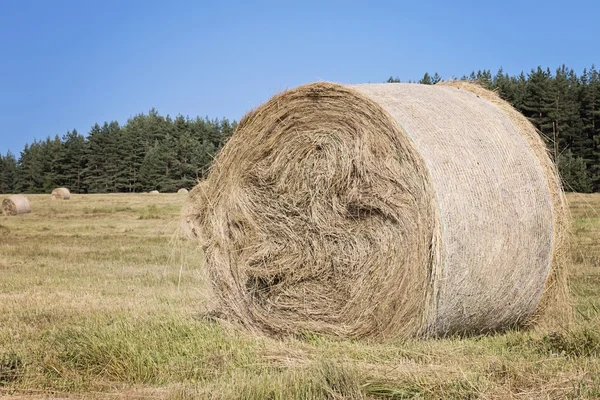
[384, 210]
[16, 205]
[61, 194]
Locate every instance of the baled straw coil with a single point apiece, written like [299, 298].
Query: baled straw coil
[383, 210]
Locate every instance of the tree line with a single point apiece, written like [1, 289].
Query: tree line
[152, 152]
[563, 106]
[149, 152]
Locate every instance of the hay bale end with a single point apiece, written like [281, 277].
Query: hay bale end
[16, 205]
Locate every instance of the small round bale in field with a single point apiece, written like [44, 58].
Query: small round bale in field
[384, 211]
[61, 194]
[16, 205]
[154, 192]
[182, 191]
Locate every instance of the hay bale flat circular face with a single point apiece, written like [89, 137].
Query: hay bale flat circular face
[60, 194]
[378, 210]
[153, 192]
[182, 191]
[16, 205]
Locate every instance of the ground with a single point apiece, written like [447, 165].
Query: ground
[98, 299]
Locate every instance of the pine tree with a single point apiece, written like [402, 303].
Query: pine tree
[114, 154]
[574, 173]
[94, 175]
[135, 146]
[505, 86]
[520, 85]
[562, 110]
[536, 104]
[590, 116]
[151, 169]
[24, 176]
[71, 162]
[8, 173]
[426, 79]
[484, 78]
[187, 148]
[47, 159]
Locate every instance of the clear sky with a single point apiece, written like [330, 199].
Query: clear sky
[69, 64]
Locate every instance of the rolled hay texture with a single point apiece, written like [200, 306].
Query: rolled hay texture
[384, 210]
[16, 205]
[182, 191]
[61, 194]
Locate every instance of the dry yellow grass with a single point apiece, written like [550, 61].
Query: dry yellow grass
[96, 302]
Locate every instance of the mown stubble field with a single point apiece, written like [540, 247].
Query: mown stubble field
[99, 300]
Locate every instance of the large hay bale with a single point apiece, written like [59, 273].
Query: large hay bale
[182, 191]
[384, 210]
[153, 192]
[61, 194]
[15, 205]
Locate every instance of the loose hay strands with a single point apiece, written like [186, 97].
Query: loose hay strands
[61, 194]
[188, 222]
[16, 205]
[388, 210]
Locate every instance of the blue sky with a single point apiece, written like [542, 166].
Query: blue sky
[69, 64]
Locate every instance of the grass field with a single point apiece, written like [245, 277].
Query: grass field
[97, 300]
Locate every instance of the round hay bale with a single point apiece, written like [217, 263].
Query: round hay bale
[16, 205]
[182, 191]
[153, 192]
[384, 210]
[61, 194]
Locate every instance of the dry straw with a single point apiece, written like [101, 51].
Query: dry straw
[191, 209]
[15, 205]
[61, 194]
[384, 210]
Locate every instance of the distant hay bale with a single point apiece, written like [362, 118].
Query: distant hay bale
[384, 210]
[153, 192]
[182, 191]
[16, 205]
[61, 194]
